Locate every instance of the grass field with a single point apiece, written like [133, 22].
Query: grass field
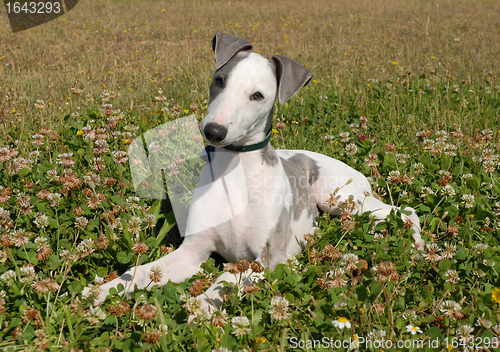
[407, 92]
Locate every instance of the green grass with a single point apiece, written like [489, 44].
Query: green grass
[406, 67]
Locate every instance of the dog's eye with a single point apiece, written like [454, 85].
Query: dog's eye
[257, 96]
[219, 81]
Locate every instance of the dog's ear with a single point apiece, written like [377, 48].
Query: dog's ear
[291, 77]
[225, 46]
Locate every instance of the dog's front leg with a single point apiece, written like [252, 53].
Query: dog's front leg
[176, 267]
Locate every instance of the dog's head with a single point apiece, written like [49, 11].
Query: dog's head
[243, 91]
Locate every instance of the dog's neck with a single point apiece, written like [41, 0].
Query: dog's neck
[250, 147]
[261, 144]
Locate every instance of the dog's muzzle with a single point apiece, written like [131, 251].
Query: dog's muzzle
[214, 132]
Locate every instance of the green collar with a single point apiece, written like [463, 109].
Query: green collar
[250, 147]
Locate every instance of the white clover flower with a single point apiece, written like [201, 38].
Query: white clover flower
[341, 323]
[489, 262]
[377, 335]
[464, 334]
[452, 276]
[402, 158]
[449, 307]
[467, 176]
[133, 202]
[350, 260]
[149, 220]
[192, 304]
[480, 248]
[394, 176]
[200, 317]
[41, 221]
[448, 191]
[426, 191]
[95, 314]
[240, 325]
[163, 328]
[468, 200]
[52, 175]
[98, 280]
[340, 304]
[29, 274]
[316, 231]
[441, 136]
[345, 137]
[428, 144]
[450, 149]
[81, 222]
[487, 185]
[292, 261]
[8, 276]
[4, 214]
[279, 308]
[351, 149]
[410, 315]
[41, 241]
[65, 159]
[338, 272]
[134, 225]
[418, 168]
[489, 166]
[38, 138]
[478, 273]
[484, 322]
[85, 247]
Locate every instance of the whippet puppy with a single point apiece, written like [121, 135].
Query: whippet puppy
[283, 189]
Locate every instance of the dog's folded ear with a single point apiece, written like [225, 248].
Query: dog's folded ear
[226, 46]
[291, 77]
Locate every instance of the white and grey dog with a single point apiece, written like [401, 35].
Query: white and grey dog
[283, 188]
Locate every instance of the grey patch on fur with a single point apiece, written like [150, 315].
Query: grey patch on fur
[269, 121]
[275, 251]
[308, 166]
[299, 179]
[269, 156]
[224, 73]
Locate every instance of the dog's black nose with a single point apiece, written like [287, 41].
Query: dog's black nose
[215, 132]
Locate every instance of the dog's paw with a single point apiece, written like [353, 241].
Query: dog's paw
[419, 244]
[95, 294]
[207, 306]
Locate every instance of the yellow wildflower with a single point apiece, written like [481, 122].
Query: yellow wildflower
[495, 294]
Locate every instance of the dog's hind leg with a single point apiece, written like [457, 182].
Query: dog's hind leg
[381, 210]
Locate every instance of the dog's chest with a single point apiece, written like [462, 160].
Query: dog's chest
[274, 203]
